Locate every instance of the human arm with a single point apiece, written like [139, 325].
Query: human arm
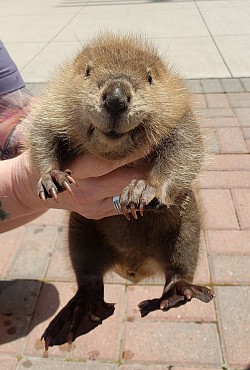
[98, 181]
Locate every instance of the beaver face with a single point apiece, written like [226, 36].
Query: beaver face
[115, 108]
[125, 95]
[116, 112]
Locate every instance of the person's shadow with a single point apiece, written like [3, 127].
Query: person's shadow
[24, 304]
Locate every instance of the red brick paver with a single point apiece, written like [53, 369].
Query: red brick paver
[219, 209]
[235, 242]
[242, 204]
[233, 315]
[243, 115]
[172, 343]
[8, 363]
[228, 269]
[217, 101]
[231, 140]
[37, 279]
[9, 243]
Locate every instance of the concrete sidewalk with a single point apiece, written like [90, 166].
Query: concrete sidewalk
[209, 42]
[203, 39]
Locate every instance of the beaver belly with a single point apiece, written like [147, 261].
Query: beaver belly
[146, 269]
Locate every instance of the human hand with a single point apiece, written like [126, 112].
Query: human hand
[93, 195]
[97, 182]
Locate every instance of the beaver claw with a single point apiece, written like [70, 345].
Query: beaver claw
[53, 182]
[181, 293]
[82, 314]
[135, 196]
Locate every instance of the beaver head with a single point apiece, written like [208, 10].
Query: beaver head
[124, 96]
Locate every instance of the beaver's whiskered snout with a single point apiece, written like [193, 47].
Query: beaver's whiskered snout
[116, 96]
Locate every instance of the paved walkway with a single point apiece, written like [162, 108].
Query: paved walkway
[209, 42]
[203, 38]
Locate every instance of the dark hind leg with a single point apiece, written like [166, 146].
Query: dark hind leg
[87, 309]
[180, 293]
[183, 259]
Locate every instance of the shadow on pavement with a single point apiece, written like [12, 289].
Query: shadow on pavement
[24, 304]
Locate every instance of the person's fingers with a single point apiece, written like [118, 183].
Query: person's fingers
[106, 209]
[92, 209]
[89, 166]
[113, 183]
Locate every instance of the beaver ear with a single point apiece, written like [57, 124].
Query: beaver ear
[149, 76]
[88, 69]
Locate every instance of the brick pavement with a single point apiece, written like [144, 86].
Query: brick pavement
[37, 278]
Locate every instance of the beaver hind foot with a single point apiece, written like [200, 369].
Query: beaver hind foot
[180, 293]
[83, 313]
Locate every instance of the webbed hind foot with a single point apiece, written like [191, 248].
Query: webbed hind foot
[179, 294]
[83, 313]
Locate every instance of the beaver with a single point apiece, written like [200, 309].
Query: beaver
[116, 96]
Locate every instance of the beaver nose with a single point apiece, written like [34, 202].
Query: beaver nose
[116, 100]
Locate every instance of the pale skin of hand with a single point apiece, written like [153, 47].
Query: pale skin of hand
[97, 182]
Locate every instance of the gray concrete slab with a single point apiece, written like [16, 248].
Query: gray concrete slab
[42, 66]
[236, 53]
[33, 28]
[24, 52]
[203, 38]
[30, 7]
[155, 20]
[193, 57]
[227, 18]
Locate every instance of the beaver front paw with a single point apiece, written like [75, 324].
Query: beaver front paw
[54, 182]
[135, 196]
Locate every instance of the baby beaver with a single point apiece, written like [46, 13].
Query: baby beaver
[116, 96]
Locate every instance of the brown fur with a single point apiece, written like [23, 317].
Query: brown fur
[72, 120]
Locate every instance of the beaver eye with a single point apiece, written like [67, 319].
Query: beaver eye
[149, 77]
[88, 70]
